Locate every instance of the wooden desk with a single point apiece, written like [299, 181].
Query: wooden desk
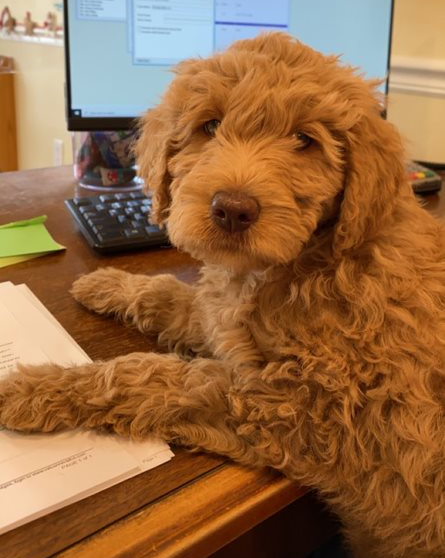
[196, 505]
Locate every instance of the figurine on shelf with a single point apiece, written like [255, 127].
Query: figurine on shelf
[7, 22]
[51, 23]
[6, 64]
[29, 24]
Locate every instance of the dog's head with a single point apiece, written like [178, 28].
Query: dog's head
[255, 149]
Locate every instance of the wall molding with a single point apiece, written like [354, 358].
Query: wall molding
[410, 74]
[41, 38]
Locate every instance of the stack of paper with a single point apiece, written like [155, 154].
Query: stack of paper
[40, 473]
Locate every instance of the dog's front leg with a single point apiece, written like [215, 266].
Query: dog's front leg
[135, 395]
[158, 304]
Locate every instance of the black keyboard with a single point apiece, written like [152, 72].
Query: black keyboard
[117, 222]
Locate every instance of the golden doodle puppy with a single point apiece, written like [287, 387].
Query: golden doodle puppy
[314, 341]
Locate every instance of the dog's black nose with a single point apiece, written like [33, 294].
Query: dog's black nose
[234, 211]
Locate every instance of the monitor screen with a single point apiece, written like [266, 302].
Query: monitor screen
[119, 53]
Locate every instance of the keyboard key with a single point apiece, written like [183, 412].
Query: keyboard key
[79, 202]
[107, 197]
[121, 196]
[153, 229]
[115, 212]
[87, 213]
[100, 207]
[100, 220]
[134, 233]
[107, 227]
[109, 235]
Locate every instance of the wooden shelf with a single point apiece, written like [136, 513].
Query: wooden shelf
[40, 36]
[8, 131]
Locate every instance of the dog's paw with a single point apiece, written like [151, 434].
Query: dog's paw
[14, 402]
[23, 397]
[104, 291]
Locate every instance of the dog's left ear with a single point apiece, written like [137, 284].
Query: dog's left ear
[375, 177]
[153, 150]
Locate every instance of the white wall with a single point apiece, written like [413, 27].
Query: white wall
[417, 84]
[39, 89]
[40, 110]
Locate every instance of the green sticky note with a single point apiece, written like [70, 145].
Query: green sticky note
[26, 223]
[26, 238]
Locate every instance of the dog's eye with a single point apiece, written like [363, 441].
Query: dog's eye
[303, 140]
[211, 126]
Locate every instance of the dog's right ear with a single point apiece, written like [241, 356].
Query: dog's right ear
[153, 150]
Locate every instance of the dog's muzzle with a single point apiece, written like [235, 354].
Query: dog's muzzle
[234, 211]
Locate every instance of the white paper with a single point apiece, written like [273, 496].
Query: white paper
[46, 476]
[14, 343]
[35, 326]
[40, 473]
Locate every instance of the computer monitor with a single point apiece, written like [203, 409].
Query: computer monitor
[119, 53]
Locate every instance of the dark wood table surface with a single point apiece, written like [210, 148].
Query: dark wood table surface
[194, 506]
